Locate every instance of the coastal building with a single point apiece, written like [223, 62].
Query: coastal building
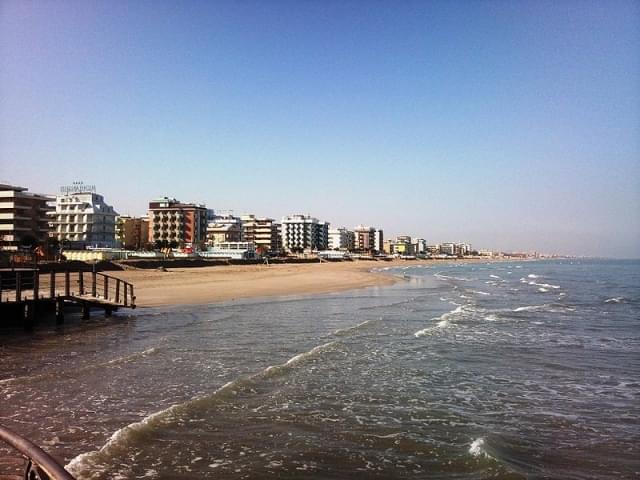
[447, 248]
[420, 246]
[132, 233]
[364, 239]
[265, 233]
[82, 218]
[224, 228]
[341, 239]
[433, 249]
[302, 232]
[231, 251]
[176, 224]
[23, 217]
[402, 246]
[378, 241]
[462, 249]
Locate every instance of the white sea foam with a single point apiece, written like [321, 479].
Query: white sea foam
[477, 448]
[480, 292]
[342, 331]
[531, 308]
[443, 322]
[543, 290]
[491, 317]
[86, 464]
[544, 285]
[494, 276]
[531, 275]
[614, 300]
[442, 276]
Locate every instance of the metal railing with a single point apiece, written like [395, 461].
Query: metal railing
[40, 465]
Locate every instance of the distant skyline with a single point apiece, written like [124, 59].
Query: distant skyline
[510, 125]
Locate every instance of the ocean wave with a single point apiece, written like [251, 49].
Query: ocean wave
[614, 300]
[532, 308]
[531, 275]
[443, 322]
[477, 448]
[92, 464]
[494, 276]
[442, 276]
[543, 285]
[342, 331]
[543, 290]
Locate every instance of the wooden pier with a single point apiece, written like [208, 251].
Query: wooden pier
[26, 291]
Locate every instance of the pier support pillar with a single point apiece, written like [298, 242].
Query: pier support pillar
[29, 311]
[59, 311]
[86, 311]
[107, 312]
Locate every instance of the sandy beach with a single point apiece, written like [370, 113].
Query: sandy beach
[182, 286]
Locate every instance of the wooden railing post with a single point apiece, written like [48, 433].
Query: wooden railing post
[36, 285]
[93, 283]
[52, 286]
[125, 293]
[67, 284]
[81, 282]
[106, 287]
[18, 286]
[117, 290]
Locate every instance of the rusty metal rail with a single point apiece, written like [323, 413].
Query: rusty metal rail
[40, 465]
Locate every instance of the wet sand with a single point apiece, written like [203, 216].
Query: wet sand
[182, 286]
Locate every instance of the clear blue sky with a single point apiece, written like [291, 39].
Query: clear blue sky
[510, 125]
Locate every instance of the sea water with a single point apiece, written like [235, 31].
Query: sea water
[501, 370]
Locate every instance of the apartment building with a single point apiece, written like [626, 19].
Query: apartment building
[378, 241]
[176, 224]
[341, 239]
[224, 228]
[132, 233]
[265, 233]
[302, 232]
[23, 217]
[82, 218]
[447, 249]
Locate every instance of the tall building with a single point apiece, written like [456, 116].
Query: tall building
[368, 239]
[23, 217]
[447, 248]
[462, 249]
[420, 246]
[176, 224]
[302, 232]
[224, 228]
[82, 218]
[341, 239]
[264, 232]
[132, 233]
[378, 243]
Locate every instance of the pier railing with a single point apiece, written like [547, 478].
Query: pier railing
[23, 285]
[39, 464]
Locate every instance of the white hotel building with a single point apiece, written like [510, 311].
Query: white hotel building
[302, 232]
[341, 239]
[83, 219]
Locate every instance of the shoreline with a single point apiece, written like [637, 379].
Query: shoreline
[207, 285]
